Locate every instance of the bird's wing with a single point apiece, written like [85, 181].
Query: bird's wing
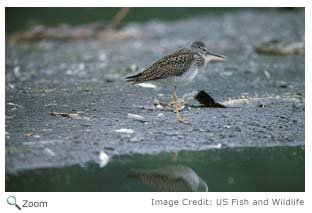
[174, 64]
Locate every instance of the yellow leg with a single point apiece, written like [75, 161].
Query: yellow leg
[178, 118]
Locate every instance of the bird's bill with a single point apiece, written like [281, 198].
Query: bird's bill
[214, 54]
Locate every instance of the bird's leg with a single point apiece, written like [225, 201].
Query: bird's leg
[176, 103]
[178, 118]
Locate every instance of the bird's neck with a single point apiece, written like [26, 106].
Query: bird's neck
[202, 60]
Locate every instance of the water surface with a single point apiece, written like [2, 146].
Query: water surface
[226, 170]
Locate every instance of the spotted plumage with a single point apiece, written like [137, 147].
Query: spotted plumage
[174, 64]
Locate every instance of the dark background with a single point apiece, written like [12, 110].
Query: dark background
[21, 18]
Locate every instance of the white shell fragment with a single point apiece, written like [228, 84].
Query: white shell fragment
[267, 74]
[36, 143]
[49, 152]
[15, 105]
[147, 85]
[218, 146]
[104, 159]
[126, 131]
[136, 117]
[160, 115]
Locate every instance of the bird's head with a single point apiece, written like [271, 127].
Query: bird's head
[201, 48]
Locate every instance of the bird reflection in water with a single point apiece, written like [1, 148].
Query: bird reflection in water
[173, 178]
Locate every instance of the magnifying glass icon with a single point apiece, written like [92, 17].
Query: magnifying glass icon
[12, 201]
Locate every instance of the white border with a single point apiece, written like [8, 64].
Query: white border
[140, 202]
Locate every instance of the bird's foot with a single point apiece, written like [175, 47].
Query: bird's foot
[182, 120]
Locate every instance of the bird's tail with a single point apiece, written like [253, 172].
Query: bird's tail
[134, 78]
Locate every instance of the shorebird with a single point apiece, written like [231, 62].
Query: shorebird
[182, 65]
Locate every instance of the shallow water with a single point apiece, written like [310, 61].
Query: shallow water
[238, 170]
